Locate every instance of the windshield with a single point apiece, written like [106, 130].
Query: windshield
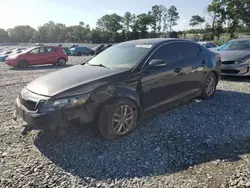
[120, 56]
[235, 45]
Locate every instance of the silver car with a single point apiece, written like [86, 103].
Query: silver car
[208, 44]
[235, 56]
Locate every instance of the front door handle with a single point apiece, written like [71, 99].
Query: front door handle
[177, 70]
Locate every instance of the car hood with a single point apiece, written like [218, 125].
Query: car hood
[73, 80]
[233, 55]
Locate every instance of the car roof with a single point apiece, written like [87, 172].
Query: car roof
[156, 41]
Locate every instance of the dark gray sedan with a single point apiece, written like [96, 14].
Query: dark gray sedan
[235, 56]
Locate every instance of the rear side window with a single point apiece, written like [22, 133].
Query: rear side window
[51, 49]
[186, 50]
[166, 52]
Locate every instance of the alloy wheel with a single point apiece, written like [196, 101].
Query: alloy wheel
[122, 120]
[61, 62]
[210, 85]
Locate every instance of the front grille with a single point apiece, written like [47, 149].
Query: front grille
[228, 62]
[30, 105]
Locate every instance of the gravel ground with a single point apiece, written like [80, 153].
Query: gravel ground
[198, 144]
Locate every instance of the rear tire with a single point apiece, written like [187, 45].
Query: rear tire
[23, 64]
[118, 119]
[209, 86]
[61, 62]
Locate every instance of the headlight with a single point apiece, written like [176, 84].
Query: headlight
[51, 105]
[245, 60]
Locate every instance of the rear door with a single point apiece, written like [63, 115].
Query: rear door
[192, 64]
[52, 56]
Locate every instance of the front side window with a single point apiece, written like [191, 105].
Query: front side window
[42, 50]
[166, 52]
[35, 51]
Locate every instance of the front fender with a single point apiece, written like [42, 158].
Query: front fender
[108, 94]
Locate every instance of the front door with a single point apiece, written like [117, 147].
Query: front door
[163, 84]
[36, 56]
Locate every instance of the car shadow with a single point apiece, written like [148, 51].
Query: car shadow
[165, 143]
[236, 78]
[41, 67]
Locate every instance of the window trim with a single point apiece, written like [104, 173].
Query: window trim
[165, 43]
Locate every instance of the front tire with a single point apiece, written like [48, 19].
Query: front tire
[118, 119]
[209, 86]
[61, 62]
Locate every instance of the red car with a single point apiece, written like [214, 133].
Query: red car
[54, 55]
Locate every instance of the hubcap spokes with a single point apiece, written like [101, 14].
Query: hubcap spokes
[210, 86]
[61, 62]
[122, 120]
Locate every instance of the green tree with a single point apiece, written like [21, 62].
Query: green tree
[172, 17]
[21, 33]
[127, 23]
[158, 12]
[142, 24]
[218, 14]
[110, 25]
[4, 37]
[197, 20]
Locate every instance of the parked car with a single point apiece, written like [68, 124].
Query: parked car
[121, 85]
[67, 51]
[106, 46]
[39, 44]
[208, 44]
[81, 50]
[73, 46]
[4, 55]
[98, 49]
[235, 56]
[37, 56]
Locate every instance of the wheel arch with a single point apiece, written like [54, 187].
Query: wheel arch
[216, 74]
[132, 98]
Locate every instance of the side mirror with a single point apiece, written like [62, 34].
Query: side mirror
[157, 63]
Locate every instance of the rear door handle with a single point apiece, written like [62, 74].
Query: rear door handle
[177, 70]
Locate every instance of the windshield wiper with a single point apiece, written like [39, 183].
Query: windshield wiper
[98, 65]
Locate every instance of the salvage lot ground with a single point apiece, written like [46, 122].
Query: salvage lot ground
[205, 144]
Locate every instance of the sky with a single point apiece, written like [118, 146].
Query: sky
[71, 12]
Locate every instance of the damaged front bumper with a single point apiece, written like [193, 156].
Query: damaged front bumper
[49, 120]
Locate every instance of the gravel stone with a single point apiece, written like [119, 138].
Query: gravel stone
[197, 144]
